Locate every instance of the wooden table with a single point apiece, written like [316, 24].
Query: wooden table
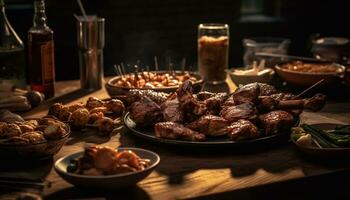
[276, 172]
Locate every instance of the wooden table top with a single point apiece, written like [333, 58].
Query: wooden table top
[185, 173]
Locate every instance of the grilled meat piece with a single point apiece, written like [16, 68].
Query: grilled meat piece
[242, 130]
[204, 95]
[145, 112]
[244, 94]
[172, 130]
[214, 103]
[171, 109]
[266, 89]
[250, 93]
[190, 106]
[276, 121]
[210, 125]
[271, 103]
[315, 103]
[242, 111]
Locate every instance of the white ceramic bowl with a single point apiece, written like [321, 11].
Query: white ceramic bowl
[246, 79]
[107, 181]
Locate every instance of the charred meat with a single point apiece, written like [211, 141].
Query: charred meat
[171, 109]
[190, 106]
[276, 121]
[242, 111]
[145, 112]
[242, 130]
[172, 130]
[210, 125]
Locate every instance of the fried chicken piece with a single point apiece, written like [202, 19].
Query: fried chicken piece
[80, 117]
[210, 125]
[242, 130]
[34, 137]
[203, 95]
[54, 131]
[75, 107]
[25, 128]
[94, 102]
[10, 130]
[171, 109]
[64, 114]
[172, 130]
[55, 109]
[145, 112]
[115, 106]
[105, 125]
[95, 116]
[276, 121]
[136, 95]
[315, 103]
[242, 111]
[17, 140]
[98, 109]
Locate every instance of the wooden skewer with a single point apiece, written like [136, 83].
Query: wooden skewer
[309, 88]
[183, 64]
[156, 63]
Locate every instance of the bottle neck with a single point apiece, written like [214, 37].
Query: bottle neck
[39, 14]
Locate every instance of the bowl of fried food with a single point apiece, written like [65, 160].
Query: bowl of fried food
[96, 115]
[104, 167]
[32, 138]
[160, 81]
[307, 73]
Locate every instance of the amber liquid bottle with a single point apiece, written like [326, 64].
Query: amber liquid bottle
[41, 61]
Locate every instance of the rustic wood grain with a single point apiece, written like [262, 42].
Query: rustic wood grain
[187, 173]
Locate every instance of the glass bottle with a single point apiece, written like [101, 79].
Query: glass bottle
[12, 55]
[41, 53]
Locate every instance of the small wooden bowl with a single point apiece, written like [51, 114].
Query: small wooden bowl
[115, 91]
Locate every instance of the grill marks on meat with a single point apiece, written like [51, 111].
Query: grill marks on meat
[145, 112]
[172, 130]
[171, 109]
[275, 121]
[214, 103]
[242, 130]
[242, 111]
[210, 125]
[244, 94]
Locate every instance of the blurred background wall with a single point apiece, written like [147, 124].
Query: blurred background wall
[142, 29]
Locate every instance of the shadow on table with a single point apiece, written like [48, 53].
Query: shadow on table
[81, 193]
[275, 158]
[332, 186]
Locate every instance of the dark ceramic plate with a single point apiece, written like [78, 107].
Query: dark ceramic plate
[148, 134]
[107, 181]
[324, 152]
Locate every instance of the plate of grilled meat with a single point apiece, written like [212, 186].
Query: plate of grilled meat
[254, 113]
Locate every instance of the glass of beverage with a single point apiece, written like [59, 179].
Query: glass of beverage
[213, 47]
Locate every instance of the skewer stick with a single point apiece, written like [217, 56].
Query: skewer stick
[183, 64]
[309, 88]
[82, 9]
[156, 63]
[123, 67]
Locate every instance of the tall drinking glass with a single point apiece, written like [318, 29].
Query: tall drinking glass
[213, 47]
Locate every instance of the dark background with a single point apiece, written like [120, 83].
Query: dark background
[142, 29]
